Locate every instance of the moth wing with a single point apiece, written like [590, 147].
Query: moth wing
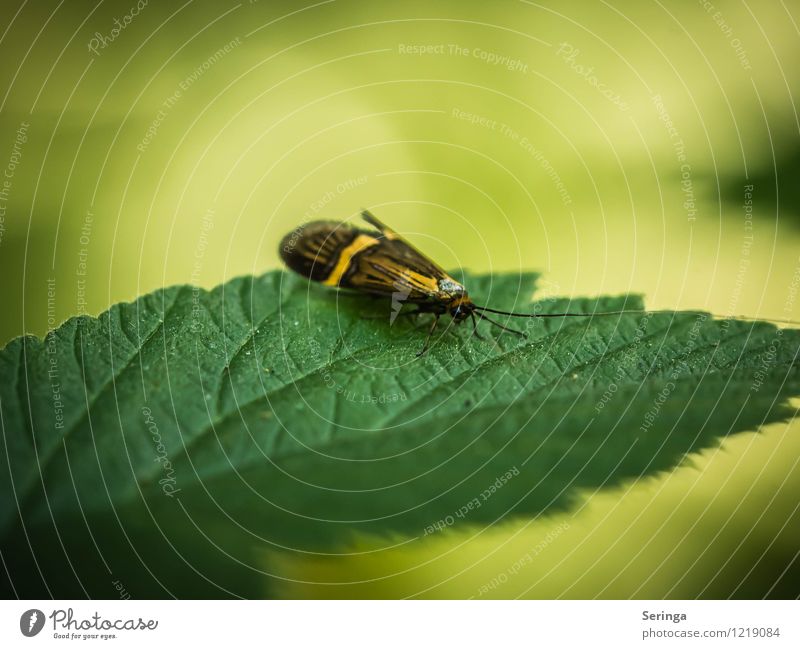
[313, 249]
[397, 247]
[379, 225]
[394, 267]
[379, 271]
[380, 262]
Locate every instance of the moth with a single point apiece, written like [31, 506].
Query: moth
[381, 262]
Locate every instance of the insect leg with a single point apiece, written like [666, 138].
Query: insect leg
[475, 327]
[430, 333]
[497, 324]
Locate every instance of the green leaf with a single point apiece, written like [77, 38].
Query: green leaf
[170, 441]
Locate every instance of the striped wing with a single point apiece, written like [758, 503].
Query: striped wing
[381, 263]
[394, 266]
[313, 249]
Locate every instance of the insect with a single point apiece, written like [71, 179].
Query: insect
[381, 262]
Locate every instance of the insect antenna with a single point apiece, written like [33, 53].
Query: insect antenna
[629, 311]
[503, 327]
[564, 315]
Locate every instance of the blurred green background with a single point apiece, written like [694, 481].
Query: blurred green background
[607, 145]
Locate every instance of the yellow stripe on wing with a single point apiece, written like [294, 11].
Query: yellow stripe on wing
[360, 243]
[423, 283]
